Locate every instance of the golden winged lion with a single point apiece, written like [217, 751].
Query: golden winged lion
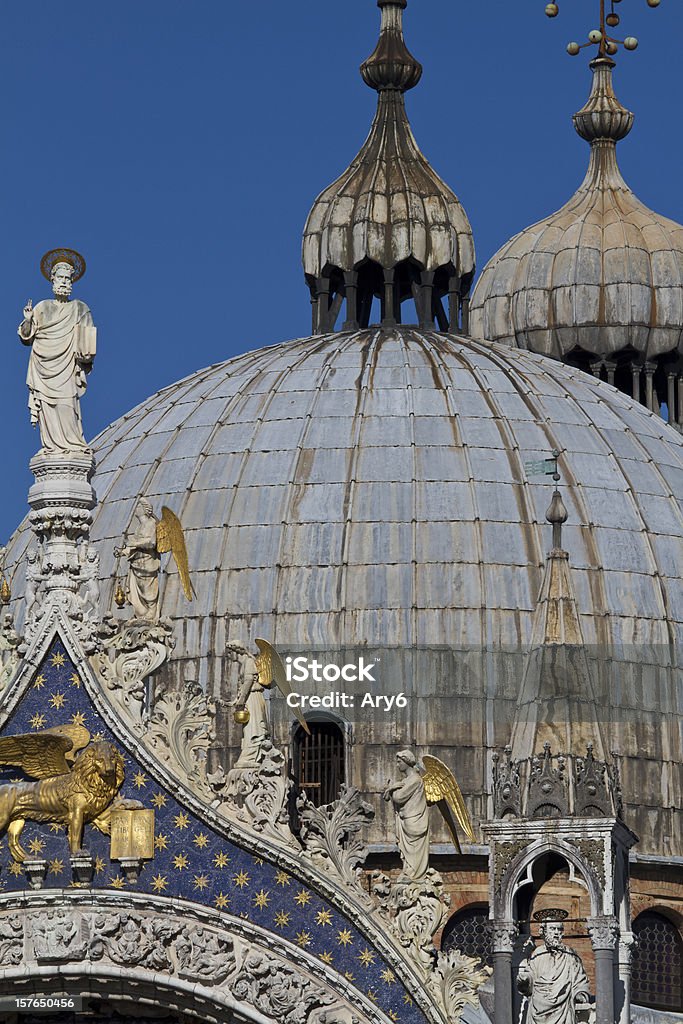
[78, 782]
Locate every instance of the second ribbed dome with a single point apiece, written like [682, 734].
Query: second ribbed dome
[603, 276]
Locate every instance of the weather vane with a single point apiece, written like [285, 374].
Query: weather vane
[600, 37]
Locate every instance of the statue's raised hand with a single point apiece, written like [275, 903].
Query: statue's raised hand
[28, 310]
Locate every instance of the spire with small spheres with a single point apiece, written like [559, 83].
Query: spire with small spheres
[389, 227]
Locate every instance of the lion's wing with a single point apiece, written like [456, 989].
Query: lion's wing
[40, 755]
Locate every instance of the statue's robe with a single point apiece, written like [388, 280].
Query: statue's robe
[144, 565]
[557, 977]
[412, 825]
[255, 731]
[56, 378]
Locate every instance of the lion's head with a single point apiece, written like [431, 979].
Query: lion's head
[100, 765]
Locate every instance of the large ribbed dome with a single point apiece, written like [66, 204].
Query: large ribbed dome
[603, 275]
[373, 485]
[370, 488]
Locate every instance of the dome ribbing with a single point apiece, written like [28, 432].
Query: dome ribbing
[599, 282]
[388, 227]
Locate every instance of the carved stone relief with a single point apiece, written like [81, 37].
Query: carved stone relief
[330, 835]
[415, 911]
[455, 982]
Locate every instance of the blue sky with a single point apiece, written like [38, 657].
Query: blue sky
[178, 144]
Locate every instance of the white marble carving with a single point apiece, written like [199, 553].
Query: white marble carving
[11, 941]
[245, 676]
[62, 339]
[89, 578]
[57, 937]
[455, 982]
[10, 642]
[330, 836]
[181, 731]
[553, 978]
[144, 563]
[412, 816]
[415, 911]
[131, 653]
[260, 796]
[277, 990]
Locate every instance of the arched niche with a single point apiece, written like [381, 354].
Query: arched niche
[534, 866]
[181, 963]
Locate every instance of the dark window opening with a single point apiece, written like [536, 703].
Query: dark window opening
[657, 965]
[469, 931]
[318, 762]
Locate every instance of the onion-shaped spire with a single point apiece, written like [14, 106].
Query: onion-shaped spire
[600, 282]
[389, 227]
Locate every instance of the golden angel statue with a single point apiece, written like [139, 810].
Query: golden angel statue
[145, 542]
[78, 782]
[412, 794]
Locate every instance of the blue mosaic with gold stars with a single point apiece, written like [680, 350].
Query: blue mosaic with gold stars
[192, 861]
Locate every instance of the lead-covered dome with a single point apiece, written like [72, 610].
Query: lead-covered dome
[371, 489]
[388, 227]
[603, 276]
[373, 485]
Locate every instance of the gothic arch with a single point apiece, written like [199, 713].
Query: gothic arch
[519, 873]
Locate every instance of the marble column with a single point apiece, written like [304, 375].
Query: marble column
[604, 932]
[671, 397]
[389, 317]
[627, 942]
[635, 375]
[649, 386]
[351, 281]
[504, 935]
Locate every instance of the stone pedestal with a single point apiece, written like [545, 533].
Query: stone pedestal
[61, 500]
[36, 873]
[82, 869]
[131, 867]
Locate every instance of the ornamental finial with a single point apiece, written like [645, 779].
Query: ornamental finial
[600, 37]
[557, 514]
[391, 65]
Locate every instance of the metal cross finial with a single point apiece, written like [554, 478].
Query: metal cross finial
[600, 37]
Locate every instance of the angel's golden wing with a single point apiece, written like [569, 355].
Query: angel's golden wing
[271, 670]
[170, 537]
[442, 788]
[42, 755]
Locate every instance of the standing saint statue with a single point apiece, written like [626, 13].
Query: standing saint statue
[63, 344]
[553, 977]
[412, 816]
